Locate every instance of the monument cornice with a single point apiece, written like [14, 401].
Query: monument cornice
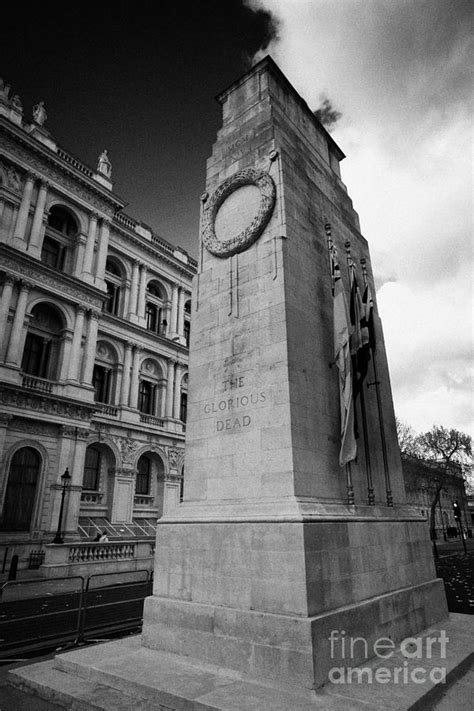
[287, 512]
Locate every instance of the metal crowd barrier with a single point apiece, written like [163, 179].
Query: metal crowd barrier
[44, 613]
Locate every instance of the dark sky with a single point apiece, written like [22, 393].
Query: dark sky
[139, 79]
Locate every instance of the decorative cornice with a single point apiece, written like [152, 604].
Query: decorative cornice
[35, 427]
[42, 403]
[42, 277]
[50, 164]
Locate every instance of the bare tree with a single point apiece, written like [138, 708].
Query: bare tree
[448, 448]
[408, 441]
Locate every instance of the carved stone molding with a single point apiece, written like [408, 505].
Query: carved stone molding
[175, 457]
[61, 177]
[5, 419]
[128, 448]
[242, 241]
[44, 404]
[45, 280]
[45, 429]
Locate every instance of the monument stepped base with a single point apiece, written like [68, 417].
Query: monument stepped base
[124, 675]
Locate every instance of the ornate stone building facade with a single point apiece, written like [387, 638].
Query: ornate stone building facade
[420, 483]
[94, 325]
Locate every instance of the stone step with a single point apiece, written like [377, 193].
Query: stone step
[123, 674]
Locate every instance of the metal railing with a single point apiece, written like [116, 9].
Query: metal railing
[44, 613]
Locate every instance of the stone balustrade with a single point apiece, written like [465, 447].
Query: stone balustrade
[90, 558]
[151, 420]
[83, 552]
[39, 384]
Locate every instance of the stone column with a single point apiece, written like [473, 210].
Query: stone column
[5, 302]
[76, 470]
[177, 390]
[126, 297]
[180, 324]
[79, 255]
[132, 306]
[170, 389]
[141, 295]
[23, 212]
[89, 252]
[74, 371]
[13, 355]
[103, 248]
[135, 376]
[66, 354]
[35, 236]
[91, 342]
[174, 312]
[4, 424]
[125, 389]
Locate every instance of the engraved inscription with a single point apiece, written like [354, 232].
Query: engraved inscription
[228, 409]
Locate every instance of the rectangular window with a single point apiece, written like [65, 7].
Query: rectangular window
[91, 470]
[101, 381]
[113, 294]
[142, 485]
[53, 253]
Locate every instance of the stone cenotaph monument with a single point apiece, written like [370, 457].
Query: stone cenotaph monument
[276, 547]
[293, 539]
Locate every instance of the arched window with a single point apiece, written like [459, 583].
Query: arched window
[113, 283]
[105, 374]
[146, 397]
[91, 478]
[152, 316]
[154, 307]
[151, 388]
[43, 342]
[62, 221]
[21, 490]
[142, 485]
[60, 229]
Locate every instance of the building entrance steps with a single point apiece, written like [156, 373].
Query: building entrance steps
[123, 674]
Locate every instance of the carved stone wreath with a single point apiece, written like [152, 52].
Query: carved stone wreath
[242, 241]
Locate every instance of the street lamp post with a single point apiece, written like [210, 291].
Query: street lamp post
[66, 478]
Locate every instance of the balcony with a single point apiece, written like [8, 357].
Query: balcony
[143, 500]
[109, 410]
[38, 384]
[151, 420]
[92, 497]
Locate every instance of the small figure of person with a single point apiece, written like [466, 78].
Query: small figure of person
[39, 113]
[104, 537]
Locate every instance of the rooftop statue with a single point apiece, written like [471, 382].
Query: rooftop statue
[39, 113]
[4, 89]
[104, 166]
[16, 103]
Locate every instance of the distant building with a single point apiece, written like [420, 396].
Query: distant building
[94, 329]
[420, 480]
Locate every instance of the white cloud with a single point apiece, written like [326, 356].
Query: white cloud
[400, 73]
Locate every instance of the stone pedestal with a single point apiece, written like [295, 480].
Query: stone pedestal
[265, 558]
